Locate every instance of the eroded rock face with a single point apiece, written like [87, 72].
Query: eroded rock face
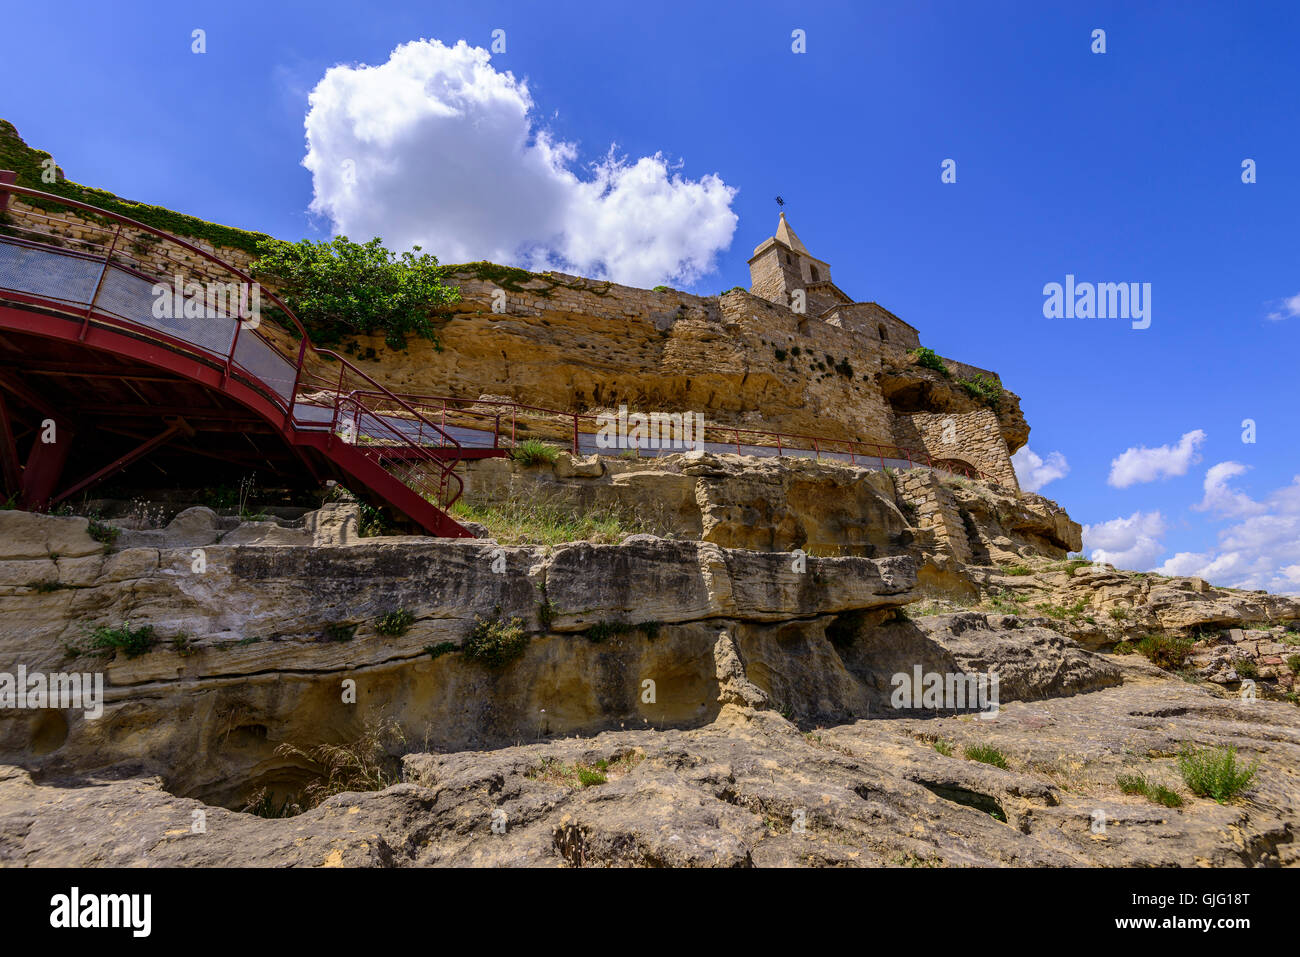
[769, 504]
[263, 644]
[754, 791]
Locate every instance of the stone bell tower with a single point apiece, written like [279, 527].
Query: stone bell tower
[781, 264]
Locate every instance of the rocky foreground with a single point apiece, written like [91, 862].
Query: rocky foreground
[287, 692]
[749, 789]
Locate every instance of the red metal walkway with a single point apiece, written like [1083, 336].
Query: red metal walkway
[84, 285]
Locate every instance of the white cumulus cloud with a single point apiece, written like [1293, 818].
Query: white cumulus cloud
[1033, 471]
[437, 148]
[1132, 542]
[1260, 551]
[1221, 498]
[1141, 464]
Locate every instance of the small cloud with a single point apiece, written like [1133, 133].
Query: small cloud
[1222, 499]
[1132, 542]
[1289, 309]
[1142, 464]
[1033, 471]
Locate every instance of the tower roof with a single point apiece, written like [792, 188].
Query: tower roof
[786, 235]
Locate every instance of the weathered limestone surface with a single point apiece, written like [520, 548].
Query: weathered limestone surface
[729, 794]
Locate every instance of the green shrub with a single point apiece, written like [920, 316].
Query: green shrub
[662, 288]
[341, 288]
[103, 533]
[395, 623]
[1293, 662]
[1118, 613]
[132, 642]
[534, 452]
[495, 641]
[984, 389]
[1214, 773]
[985, 754]
[943, 747]
[1246, 667]
[1016, 570]
[929, 359]
[442, 648]
[1165, 652]
[1124, 648]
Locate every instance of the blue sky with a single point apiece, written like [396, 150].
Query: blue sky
[1115, 167]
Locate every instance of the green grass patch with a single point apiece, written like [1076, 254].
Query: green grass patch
[535, 452]
[1214, 772]
[519, 522]
[1137, 784]
[986, 754]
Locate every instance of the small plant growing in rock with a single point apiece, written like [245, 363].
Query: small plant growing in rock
[441, 648]
[1118, 614]
[366, 763]
[183, 645]
[986, 754]
[1125, 648]
[1293, 662]
[984, 389]
[495, 641]
[1246, 667]
[395, 623]
[1137, 784]
[929, 359]
[132, 642]
[534, 452]
[943, 747]
[1214, 772]
[103, 533]
[1016, 570]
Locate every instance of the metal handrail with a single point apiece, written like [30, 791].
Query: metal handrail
[780, 442]
[444, 464]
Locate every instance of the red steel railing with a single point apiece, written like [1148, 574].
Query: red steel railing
[319, 388]
[507, 419]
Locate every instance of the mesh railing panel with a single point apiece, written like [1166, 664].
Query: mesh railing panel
[129, 297]
[47, 273]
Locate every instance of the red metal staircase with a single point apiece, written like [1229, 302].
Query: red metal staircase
[90, 278]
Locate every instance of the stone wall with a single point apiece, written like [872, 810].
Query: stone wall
[971, 437]
[154, 256]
